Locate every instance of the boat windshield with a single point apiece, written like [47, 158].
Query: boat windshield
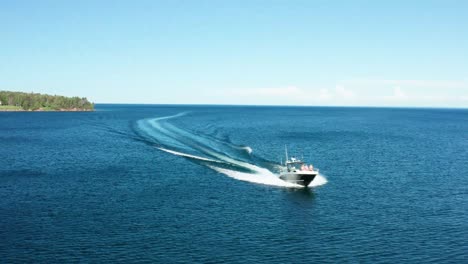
[295, 165]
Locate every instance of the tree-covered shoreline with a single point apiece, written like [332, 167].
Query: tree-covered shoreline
[19, 101]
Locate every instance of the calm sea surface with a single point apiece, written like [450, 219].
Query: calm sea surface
[169, 184]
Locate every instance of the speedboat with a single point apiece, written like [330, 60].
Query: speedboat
[297, 172]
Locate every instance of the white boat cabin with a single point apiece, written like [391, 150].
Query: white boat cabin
[294, 165]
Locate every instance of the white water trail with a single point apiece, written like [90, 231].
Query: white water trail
[170, 137]
[187, 155]
[248, 149]
[267, 178]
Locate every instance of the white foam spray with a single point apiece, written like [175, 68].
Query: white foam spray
[318, 181]
[267, 178]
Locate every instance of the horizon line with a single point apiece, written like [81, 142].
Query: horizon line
[273, 105]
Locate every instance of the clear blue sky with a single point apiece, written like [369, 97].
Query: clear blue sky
[378, 53]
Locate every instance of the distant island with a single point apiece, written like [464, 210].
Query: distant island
[19, 101]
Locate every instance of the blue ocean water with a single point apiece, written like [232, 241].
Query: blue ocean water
[167, 184]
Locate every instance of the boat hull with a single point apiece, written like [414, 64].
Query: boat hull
[303, 179]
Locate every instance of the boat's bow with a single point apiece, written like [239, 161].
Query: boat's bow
[303, 178]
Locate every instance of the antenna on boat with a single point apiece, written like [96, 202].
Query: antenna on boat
[286, 150]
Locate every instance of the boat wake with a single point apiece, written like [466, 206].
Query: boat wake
[222, 156]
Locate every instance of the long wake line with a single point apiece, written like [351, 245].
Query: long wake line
[221, 156]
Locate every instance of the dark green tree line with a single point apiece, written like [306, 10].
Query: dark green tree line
[35, 101]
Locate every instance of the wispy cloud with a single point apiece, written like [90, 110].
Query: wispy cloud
[293, 94]
[268, 92]
[324, 94]
[407, 83]
[398, 95]
[447, 93]
[342, 92]
[356, 92]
